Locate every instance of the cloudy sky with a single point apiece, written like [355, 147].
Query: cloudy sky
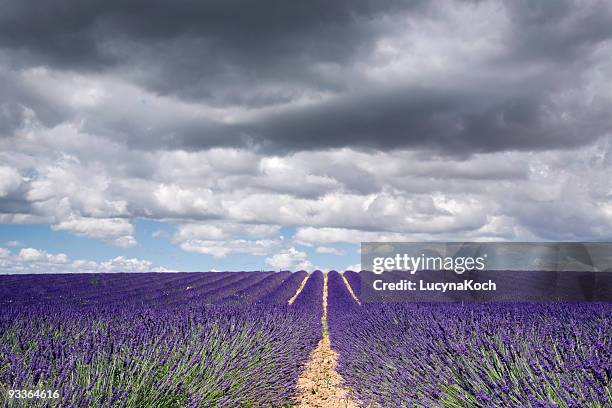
[233, 135]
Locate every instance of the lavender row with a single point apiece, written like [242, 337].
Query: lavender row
[204, 289]
[143, 291]
[310, 302]
[257, 290]
[285, 291]
[485, 355]
[339, 298]
[339, 304]
[177, 289]
[250, 280]
[92, 288]
[354, 280]
[311, 296]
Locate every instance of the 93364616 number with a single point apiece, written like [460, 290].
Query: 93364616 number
[31, 394]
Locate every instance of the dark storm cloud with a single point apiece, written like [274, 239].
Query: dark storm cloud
[453, 120]
[561, 30]
[249, 55]
[188, 47]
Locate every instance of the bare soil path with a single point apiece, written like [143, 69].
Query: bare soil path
[320, 385]
[348, 286]
[298, 291]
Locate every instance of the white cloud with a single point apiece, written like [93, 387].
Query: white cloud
[115, 230]
[68, 184]
[191, 201]
[14, 243]
[121, 264]
[84, 265]
[313, 236]
[158, 233]
[35, 255]
[125, 241]
[226, 201]
[216, 230]
[353, 267]
[220, 239]
[289, 259]
[199, 231]
[10, 180]
[284, 176]
[329, 250]
[220, 249]
[32, 260]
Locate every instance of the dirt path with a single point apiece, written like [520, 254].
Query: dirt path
[348, 286]
[320, 385]
[297, 292]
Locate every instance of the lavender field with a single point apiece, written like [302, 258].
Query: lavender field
[157, 340]
[472, 354]
[232, 339]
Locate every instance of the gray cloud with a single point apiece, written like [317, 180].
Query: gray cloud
[214, 40]
[17, 99]
[446, 120]
[455, 77]
[563, 30]
[12, 117]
